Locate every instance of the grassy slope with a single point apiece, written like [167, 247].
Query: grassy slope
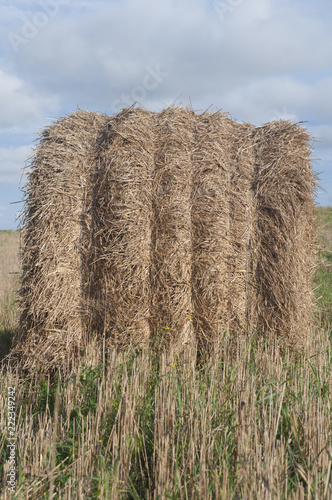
[135, 426]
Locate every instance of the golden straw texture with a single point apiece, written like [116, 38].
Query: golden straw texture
[176, 226]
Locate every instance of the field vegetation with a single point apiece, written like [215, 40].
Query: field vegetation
[138, 425]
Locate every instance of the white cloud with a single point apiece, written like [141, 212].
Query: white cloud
[324, 134]
[277, 36]
[12, 162]
[89, 56]
[269, 99]
[20, 104]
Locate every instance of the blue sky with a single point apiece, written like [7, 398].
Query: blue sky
[259, 60]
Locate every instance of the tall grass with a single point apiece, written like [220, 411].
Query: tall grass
[136, 425]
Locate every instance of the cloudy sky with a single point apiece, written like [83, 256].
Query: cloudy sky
[259, 60]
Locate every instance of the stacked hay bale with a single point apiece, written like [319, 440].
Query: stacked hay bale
[120, 287]
[55, 240]
[283, 238]
[185, 223]
[171, 278]
[221, 186]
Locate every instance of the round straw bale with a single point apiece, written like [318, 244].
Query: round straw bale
[174, 226]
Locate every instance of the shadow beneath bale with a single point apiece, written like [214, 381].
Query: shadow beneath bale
[6, 341]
